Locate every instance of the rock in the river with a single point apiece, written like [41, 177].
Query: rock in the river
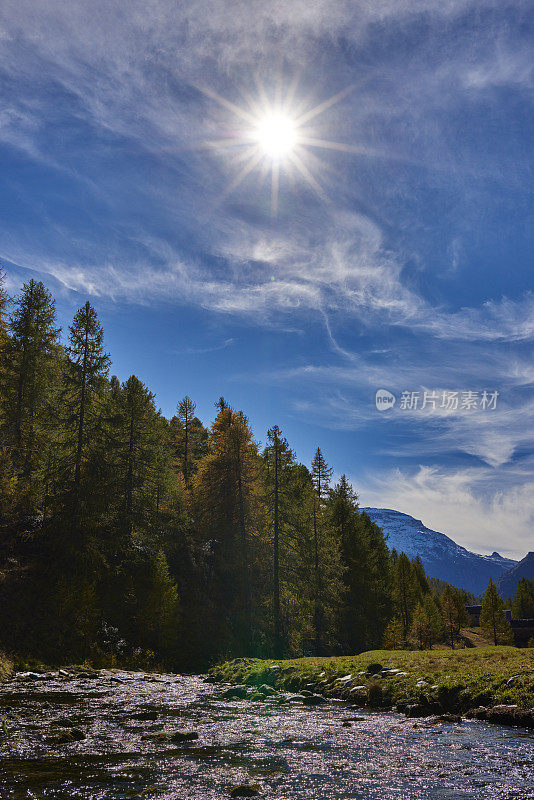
[245, 790]
[313, 700]
[63, 722]
[66, 737]
[171, 736]
[235, 693]
[146, 716]
[448, 718]
[267, 690]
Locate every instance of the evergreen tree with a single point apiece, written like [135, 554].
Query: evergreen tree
[84, 379]
[393, 638]
[279, 460]
[453, 612]
[140, 459]
[421, 628]
[186, 411]
[492, 617]
[189, 438]
[30, 380]
[4, 339]
[523, 602]
[406, 591]
[157, 615]
[225, 507]
[321, 474]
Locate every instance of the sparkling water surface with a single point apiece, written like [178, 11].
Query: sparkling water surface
[290, 751]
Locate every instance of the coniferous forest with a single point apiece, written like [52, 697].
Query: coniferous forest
[127, 538]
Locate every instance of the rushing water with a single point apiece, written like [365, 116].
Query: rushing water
[290, 751]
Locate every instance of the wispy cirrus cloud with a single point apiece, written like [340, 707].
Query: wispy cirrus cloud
[414, 268]
[483, 510]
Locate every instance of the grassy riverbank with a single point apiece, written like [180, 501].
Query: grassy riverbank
[437, 680]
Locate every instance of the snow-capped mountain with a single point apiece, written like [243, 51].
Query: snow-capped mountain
[441, 556]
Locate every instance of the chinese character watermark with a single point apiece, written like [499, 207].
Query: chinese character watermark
[443, 400]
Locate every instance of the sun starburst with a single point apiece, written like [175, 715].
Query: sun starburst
[275, 136]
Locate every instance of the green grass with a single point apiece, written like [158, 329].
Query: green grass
[458, 679]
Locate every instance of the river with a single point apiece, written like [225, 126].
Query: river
[290, 751]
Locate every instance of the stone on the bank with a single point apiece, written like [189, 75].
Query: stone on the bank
[373, 668]
[417, 710]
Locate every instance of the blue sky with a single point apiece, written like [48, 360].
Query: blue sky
[411, 269]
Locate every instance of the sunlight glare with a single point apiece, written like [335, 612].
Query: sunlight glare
[276, 135]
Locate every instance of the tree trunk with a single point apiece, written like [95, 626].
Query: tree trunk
[81, 423]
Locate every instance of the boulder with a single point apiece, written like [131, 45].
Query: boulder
[173, 736]
[373, 668]
[66, 737]
[245, 790]
[417, 710]
[313, 700]
[504, 715]
[267, 690]
[235, 693]
[146, 716]
[375, 695]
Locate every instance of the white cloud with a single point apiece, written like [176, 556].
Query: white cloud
[478, 508]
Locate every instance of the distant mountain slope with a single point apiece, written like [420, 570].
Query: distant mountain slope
[441, 556]
[507, 583]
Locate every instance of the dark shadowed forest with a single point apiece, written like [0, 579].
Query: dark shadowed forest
[127, 538]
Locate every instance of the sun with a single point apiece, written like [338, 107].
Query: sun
[276, 135]
[273, 133]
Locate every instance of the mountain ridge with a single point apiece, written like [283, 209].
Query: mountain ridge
[509, 580]
[442, 557]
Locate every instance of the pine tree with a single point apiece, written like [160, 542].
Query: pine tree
[421, 629]
[30, 381]
[523, 602]
[139, 457]
[279, 463]
[321, 474]
[186, 411]
[158, 607]
[189, 438]
[393, 637]
[406, 591]
[492, 617]
[453, 612]
[84, 379]
[225, 507]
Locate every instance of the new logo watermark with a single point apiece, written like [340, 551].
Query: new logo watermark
[443, 400]
[384, 400]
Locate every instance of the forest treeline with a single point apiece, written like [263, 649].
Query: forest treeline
[126, 537]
